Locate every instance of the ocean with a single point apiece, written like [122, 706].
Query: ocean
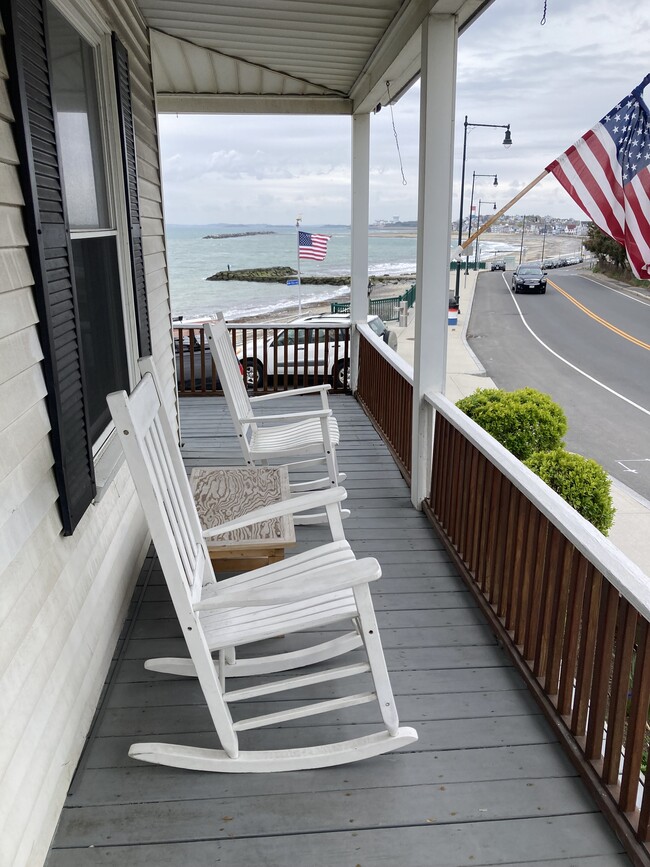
[192, 258]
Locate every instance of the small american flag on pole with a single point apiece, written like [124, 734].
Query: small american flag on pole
[312, 246]
[607, 173]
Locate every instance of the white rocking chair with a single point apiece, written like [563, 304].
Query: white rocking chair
[324, 586]
[230, 665]
[271, 437]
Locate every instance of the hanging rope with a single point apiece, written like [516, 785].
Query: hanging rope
[392, 119]
[543, 21]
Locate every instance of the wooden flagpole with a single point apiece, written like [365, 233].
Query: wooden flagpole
[500, 213]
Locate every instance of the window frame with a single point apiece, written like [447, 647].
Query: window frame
[96, 31]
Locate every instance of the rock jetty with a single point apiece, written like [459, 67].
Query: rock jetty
[235, 235]
[278, 274]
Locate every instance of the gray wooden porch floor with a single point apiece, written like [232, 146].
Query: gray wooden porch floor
[485, 784]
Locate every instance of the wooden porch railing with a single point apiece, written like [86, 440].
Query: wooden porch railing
[573, 610]
[385, 390]
[274, 357]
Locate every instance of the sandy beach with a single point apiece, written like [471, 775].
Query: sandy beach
[392, 287]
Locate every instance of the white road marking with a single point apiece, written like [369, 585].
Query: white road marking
[568, 363]
[632, 461]
[611, 289]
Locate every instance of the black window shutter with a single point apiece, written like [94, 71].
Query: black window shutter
[123, 85]
[50, 254]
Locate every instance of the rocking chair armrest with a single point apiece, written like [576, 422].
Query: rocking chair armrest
[301, 503]
[288, 416]
[309, 389]
[329, 579]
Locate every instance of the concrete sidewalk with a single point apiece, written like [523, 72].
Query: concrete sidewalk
[465, 373]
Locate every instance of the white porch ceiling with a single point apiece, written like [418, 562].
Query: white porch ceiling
[288, 56]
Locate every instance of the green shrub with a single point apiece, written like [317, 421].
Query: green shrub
[524, 421]
[581, 481]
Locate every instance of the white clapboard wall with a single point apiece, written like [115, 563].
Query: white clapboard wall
[62, 599]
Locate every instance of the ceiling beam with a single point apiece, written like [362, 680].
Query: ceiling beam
[208, 103]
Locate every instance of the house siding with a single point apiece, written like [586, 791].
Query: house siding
[62, 598]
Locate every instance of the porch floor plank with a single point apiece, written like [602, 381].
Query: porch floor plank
[487, 782]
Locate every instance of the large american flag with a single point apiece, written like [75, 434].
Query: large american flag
[607, 173]
[312, 246]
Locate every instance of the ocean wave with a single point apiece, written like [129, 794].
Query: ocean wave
[264, 307]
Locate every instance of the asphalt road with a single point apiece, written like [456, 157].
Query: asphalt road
[585, 343]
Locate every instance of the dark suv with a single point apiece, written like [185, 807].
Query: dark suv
[529, 278]
[498, 265]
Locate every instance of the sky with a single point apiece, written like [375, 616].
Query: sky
[550, 82]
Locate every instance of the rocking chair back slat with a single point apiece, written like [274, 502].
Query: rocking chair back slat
[176, 514]
[230, 375]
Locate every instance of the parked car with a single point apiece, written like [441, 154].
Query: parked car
[323, 337]
[528, 278]
[498, 265]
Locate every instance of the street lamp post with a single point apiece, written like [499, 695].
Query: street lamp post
[521, 248]
[543, 240]
[478, 226]
[471, 208]
[507, 141]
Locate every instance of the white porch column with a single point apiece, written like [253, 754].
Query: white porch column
[437, 100]
[359, 237]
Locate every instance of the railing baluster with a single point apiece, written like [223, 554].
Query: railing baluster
[638, 719]
[535, 611]
[475, 519]
[484, 534]
[617, 711]
[572, 633]
[523, 602]
[494, 527]
[512, 543]
[503, 536]
[602, 669]
[587, 650]
[445, 443]
[516, 571]
[463, 469]
[558, 618]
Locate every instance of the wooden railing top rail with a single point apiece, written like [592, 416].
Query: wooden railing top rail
[197, 325]
[391, 357]
[628, 579]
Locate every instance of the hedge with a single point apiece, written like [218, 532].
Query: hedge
[524, 421]
[580, 481]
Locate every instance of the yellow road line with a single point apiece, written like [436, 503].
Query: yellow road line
[599, 319]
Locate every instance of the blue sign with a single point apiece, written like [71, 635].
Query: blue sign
[292, 282]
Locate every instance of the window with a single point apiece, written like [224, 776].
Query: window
[92, 229]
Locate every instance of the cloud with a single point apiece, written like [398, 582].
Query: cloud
[551, 83]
